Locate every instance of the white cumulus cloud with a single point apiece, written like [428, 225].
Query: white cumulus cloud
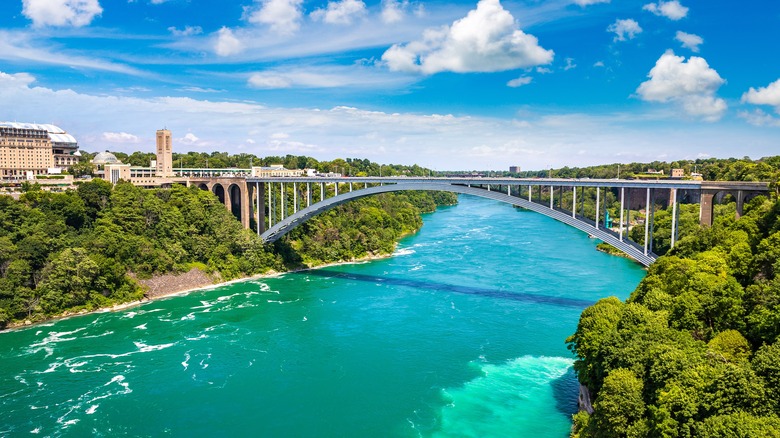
[340, 12]
[393, 11]
[189, 138]
[283, 16]
[120, 137]
[227, 44]
[759, 118]
[20, 80]
[692, 84]
[519, 82]
[624, 29]
[689, 40]
[486, 40]
[74, 13]
[672, 10]
[769, 95]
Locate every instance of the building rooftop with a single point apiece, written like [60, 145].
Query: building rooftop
[56, 134]
[102, 158]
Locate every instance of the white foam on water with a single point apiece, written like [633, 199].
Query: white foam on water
[188, 317]
[143, 348]
[517, 396]
[198, 338]
[130, 315]
[141, 327]
[305, 319]
[36, 431]
[91, 410]
[417, 267]
[404, 252]
[186, 363]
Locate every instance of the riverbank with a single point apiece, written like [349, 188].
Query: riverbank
[171, 285]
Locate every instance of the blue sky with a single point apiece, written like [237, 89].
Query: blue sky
[448, 85]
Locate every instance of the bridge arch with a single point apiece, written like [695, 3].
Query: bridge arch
[235, 199]
[631, 249]
[219, 191]
[203, 186]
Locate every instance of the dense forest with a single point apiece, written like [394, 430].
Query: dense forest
[84, 248]
[693, 351]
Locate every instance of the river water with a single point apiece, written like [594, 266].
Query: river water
[460, 334]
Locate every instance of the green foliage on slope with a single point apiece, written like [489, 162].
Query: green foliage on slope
[82, 249]
[696, 341]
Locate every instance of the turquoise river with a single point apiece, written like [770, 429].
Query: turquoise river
[459, 334]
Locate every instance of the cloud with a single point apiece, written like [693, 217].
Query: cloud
[327, 133]
[598, 64]
[21, 80]
[692, 84]
[21, 46]
[624, 29]
[269, 81]
[393, 11]
[584, 3]
[328, 76]
[227, 44]
[201, 90]
[519, 82]
[190, 139]
[187, 31]
[758, 117]
[486, 40]
[340, 12]
[120, 137]
[769, 95]
[569, 64]
[76, 13]
[672, 10]
[689, 40]
[283, 16]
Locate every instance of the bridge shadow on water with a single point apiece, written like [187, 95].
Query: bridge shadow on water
[465, 290]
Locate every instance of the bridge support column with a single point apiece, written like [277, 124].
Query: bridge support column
[705, 208]
[652, 219]
[647, 218]
[271, 216]
[336, 188]
[598, 193]
[674, 217]
[284, 201]
[308, 195]
[574, 201]
[529, 192]
[260, 210]
[350, 187]
[508, 187]
[622, 209]
[246, 204]
[295, 198]
[552, 192]
[322, 192]
[740, 203]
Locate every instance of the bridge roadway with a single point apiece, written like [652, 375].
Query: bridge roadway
[499, 189]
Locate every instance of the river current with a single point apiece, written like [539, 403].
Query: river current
[459, 334]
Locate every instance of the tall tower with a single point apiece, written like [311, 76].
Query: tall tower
[164, 153]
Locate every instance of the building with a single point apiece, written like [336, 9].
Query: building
[29, 149]
[275, 170]
[514, 169]
[678, 173]
[164, 154]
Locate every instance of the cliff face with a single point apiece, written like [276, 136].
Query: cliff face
[584, 400]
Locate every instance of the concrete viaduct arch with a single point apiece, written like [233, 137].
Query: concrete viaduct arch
[235, 193]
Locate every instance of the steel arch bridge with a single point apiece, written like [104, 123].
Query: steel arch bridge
[499, 189]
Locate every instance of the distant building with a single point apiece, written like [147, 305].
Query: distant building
[164, 153]
[275, 170]
[514, 169]
[116, 171]
[678, 173]
[29, 149]
[655, 172]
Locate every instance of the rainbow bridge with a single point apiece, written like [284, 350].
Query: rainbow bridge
[276, 205]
